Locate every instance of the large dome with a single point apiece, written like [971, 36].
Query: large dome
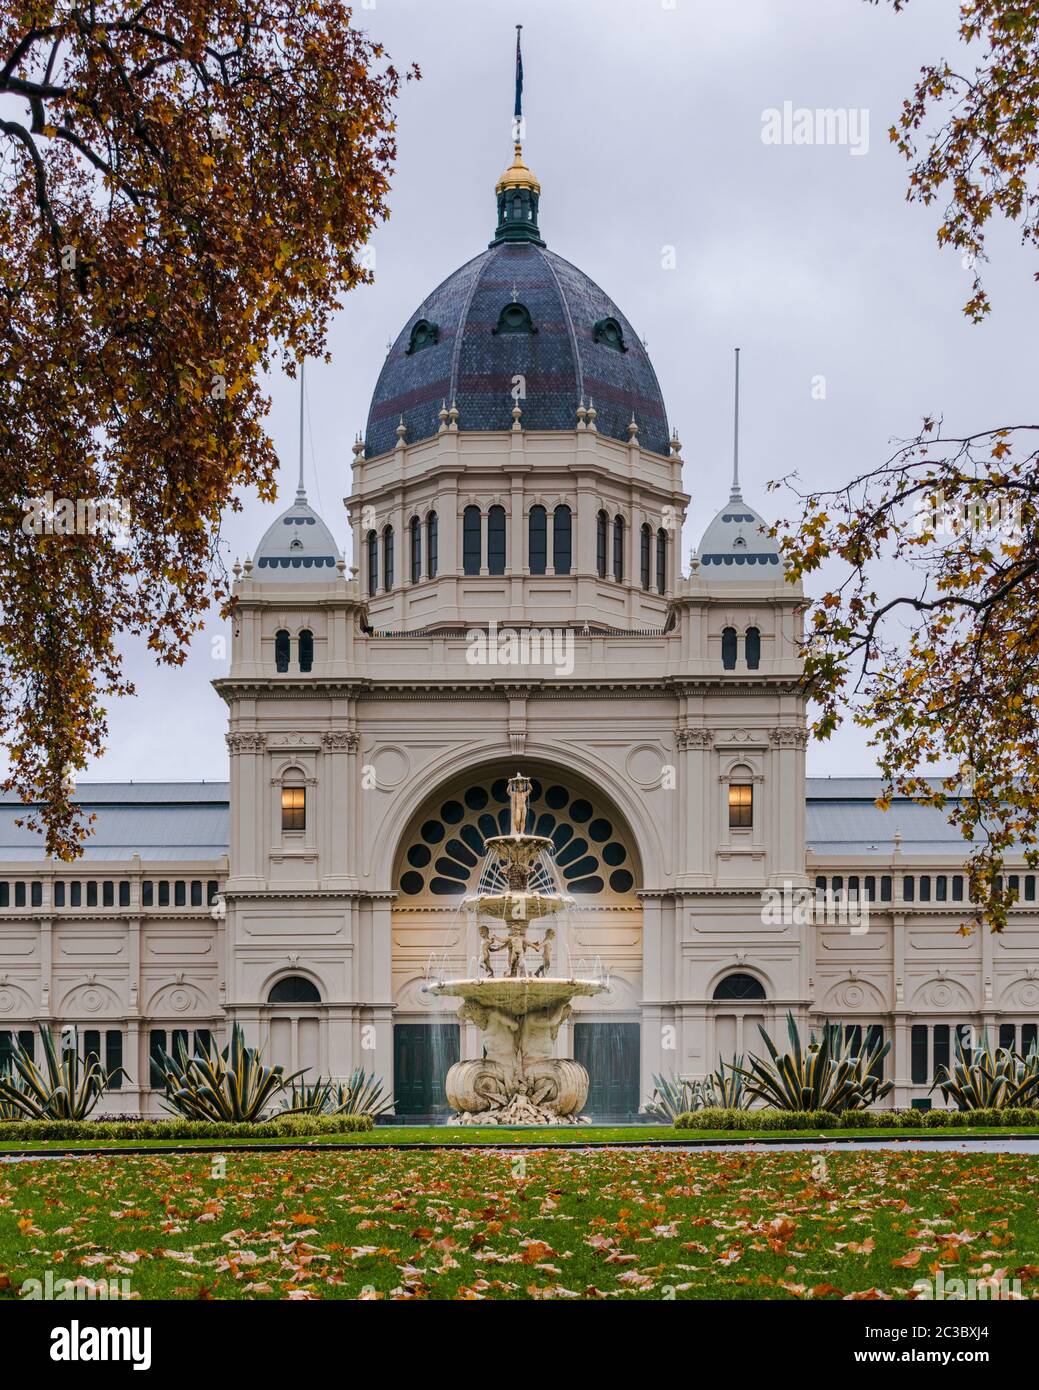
[517, 310]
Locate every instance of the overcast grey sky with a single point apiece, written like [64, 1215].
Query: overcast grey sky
[644, 125]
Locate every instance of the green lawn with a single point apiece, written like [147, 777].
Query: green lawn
[391, 1135]
[561, 1223]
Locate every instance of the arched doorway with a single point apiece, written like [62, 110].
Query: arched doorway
[438, 862]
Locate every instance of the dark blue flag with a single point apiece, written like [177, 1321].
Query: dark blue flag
[519, 74]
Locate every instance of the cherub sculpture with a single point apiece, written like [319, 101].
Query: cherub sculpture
[488, 945]
[545, 949]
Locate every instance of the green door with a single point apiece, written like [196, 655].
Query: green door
[422, 1054]
[609, 1052]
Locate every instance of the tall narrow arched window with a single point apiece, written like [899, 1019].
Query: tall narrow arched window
[432, 545]
[387, 557]
[281, 650]
[729, 648]
[618, 549]
[562, 539]
[645, 542]
[306, 650]
[373, 564]
[416, 550]
[496, 540]
[602, 523]
[753, 648]
[471, 536]
[661, 561]
[537, 545]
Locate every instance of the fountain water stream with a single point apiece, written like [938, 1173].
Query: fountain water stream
[515, 1000]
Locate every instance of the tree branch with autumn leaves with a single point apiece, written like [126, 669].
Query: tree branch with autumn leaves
[185, 192]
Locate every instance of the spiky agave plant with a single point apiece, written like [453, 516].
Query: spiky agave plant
[728, 1085]
[988, 1079]
[229, 1087]
[823, 1076]
[360, 1094]
[674, 1095]
[312, 1099]
[66, 1087]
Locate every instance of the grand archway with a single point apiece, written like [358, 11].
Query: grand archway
[438, 861]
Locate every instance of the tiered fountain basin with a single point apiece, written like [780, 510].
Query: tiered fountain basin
[518, 1012]
[518, 1080]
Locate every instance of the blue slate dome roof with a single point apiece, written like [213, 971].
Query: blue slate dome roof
[471, 337]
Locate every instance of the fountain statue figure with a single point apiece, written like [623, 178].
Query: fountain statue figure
[518, 1080]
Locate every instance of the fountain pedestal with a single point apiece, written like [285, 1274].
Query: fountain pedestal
[518, 1080]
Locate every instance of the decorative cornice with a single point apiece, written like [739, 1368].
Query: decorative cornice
[596, 688]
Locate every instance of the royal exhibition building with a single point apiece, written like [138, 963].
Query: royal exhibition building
[513, 611]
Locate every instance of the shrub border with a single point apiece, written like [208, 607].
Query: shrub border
[769, 1119]
[283, 1127]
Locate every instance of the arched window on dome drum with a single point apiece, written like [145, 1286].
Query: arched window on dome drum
[562, 539]
[602, 522]
[661, 561]
[416, 549]
[373, 564]
[740, 988]
[645, 541]
[496, 540]
[432, 545]
[306, 650]
[753, 648]
[387, 557]
[471, 536]
[618, 549]
[729, 648]
[281, 650]
[294, 989]
[537, 544]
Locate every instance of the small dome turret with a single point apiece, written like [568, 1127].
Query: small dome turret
[297, 547]
[734, 546]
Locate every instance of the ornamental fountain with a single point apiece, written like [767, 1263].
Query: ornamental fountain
[515, 1000]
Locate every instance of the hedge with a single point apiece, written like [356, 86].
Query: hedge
[282, 1127]
[769, 1119]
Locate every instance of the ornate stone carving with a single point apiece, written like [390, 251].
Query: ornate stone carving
[519, 1014]
[694, 738]
[245, 743]
[787, 737]
[550, 1090]
[293, 741]
[340, 741]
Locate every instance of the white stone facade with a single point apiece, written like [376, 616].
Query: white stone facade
[648, 729]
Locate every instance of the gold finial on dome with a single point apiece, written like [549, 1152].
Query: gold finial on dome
[518, 175]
